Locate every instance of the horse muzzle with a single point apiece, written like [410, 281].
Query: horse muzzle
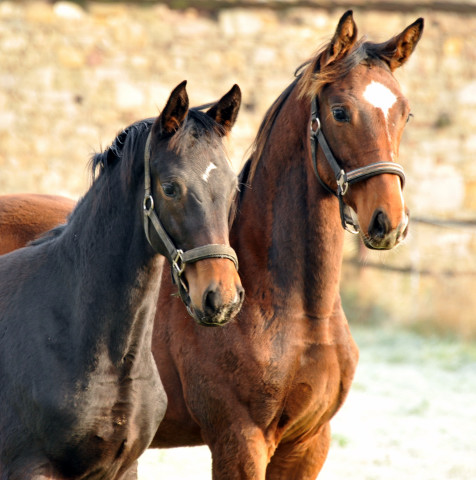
[381, 235]
[215, 311]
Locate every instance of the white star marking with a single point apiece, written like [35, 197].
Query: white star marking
[380, 96]
[208, 170]
[383, 98]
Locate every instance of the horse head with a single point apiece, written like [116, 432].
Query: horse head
[358, 117]
[192, 186]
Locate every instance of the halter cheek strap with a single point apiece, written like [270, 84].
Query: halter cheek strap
[178, 258]
[344, 179]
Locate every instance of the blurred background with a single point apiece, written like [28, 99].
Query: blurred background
[73, 74]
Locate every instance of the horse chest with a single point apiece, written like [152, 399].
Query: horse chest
[305, 380]
[319, 387]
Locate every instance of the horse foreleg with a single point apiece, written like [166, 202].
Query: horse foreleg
[302, 460]
[239, 454]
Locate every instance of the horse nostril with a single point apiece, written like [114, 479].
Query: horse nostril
[379, 226]
[241, 295]
[213, 301]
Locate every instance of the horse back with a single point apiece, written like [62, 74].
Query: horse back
[24, 217]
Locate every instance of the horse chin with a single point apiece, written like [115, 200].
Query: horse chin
[372, 244]
[218, 320]
[388, 242]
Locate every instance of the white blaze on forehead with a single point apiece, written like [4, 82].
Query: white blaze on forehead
[380, 96]
[208, 170]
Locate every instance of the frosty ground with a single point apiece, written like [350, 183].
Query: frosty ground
[411, 414]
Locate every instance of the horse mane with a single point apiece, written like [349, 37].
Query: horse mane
[124, 143]
[310, 80]
[111, 156]
[313, 79]
[198, 124]
[48, 235]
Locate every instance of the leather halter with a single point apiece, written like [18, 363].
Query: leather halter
[344, 179]
[178, 258]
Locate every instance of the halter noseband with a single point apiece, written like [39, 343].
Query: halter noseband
[344, 179]
[178, 258]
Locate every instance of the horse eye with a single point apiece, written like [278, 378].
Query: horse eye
[169, 189]
[340, 115]
[410, 116]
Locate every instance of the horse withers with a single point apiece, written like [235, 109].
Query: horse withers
[261, 391]
[80, 394]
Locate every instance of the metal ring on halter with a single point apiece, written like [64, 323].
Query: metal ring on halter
[315, 122]
[148, 198]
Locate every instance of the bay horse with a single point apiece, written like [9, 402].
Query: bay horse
[261, 391]
[80, 394]
[24, 217]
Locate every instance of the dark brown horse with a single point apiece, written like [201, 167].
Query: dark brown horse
[80, 394]
[24, 217]
[261, 391]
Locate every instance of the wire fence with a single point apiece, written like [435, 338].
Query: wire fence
[466, 226]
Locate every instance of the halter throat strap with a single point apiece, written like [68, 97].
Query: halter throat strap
[178, 258]
[343, 178]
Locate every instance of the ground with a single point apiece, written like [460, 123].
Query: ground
[411, 414]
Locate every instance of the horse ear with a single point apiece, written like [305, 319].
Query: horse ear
[342, 41]
[399, 48]
[174, 112]
[225, 111]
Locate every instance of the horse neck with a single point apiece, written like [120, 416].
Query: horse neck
[287, 231]
[115, 274]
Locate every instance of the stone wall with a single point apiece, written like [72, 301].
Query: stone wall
[71, 77]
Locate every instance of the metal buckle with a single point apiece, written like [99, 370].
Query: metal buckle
[150, 200]
[342, 183]
[177, 263]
